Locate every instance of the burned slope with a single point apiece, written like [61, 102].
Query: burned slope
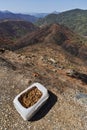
[10, 31]
[55, 34]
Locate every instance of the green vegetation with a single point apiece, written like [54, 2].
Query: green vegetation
[74, 19]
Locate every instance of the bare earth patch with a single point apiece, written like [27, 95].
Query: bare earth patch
[66, 108]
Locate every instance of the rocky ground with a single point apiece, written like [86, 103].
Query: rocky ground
[66, 108]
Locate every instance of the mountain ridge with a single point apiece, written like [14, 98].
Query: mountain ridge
[23, 34]
[75, 19]
[16, 16]
[56, 34]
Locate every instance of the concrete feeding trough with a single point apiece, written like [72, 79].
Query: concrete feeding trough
[29, 101]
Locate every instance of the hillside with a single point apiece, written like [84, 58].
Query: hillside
[52, 55]
[55, 34]
[15, 16]
[11, 30]
[47, 64]
[18, 37]
[74, 19]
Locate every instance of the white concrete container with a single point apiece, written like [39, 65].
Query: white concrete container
[27, 113]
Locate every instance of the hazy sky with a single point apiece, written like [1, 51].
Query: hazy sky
[26, 6]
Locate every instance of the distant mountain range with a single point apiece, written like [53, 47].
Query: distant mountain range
[31, 17]
[42, 15]
[74, 19]
[14, 16]
[39, 15]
